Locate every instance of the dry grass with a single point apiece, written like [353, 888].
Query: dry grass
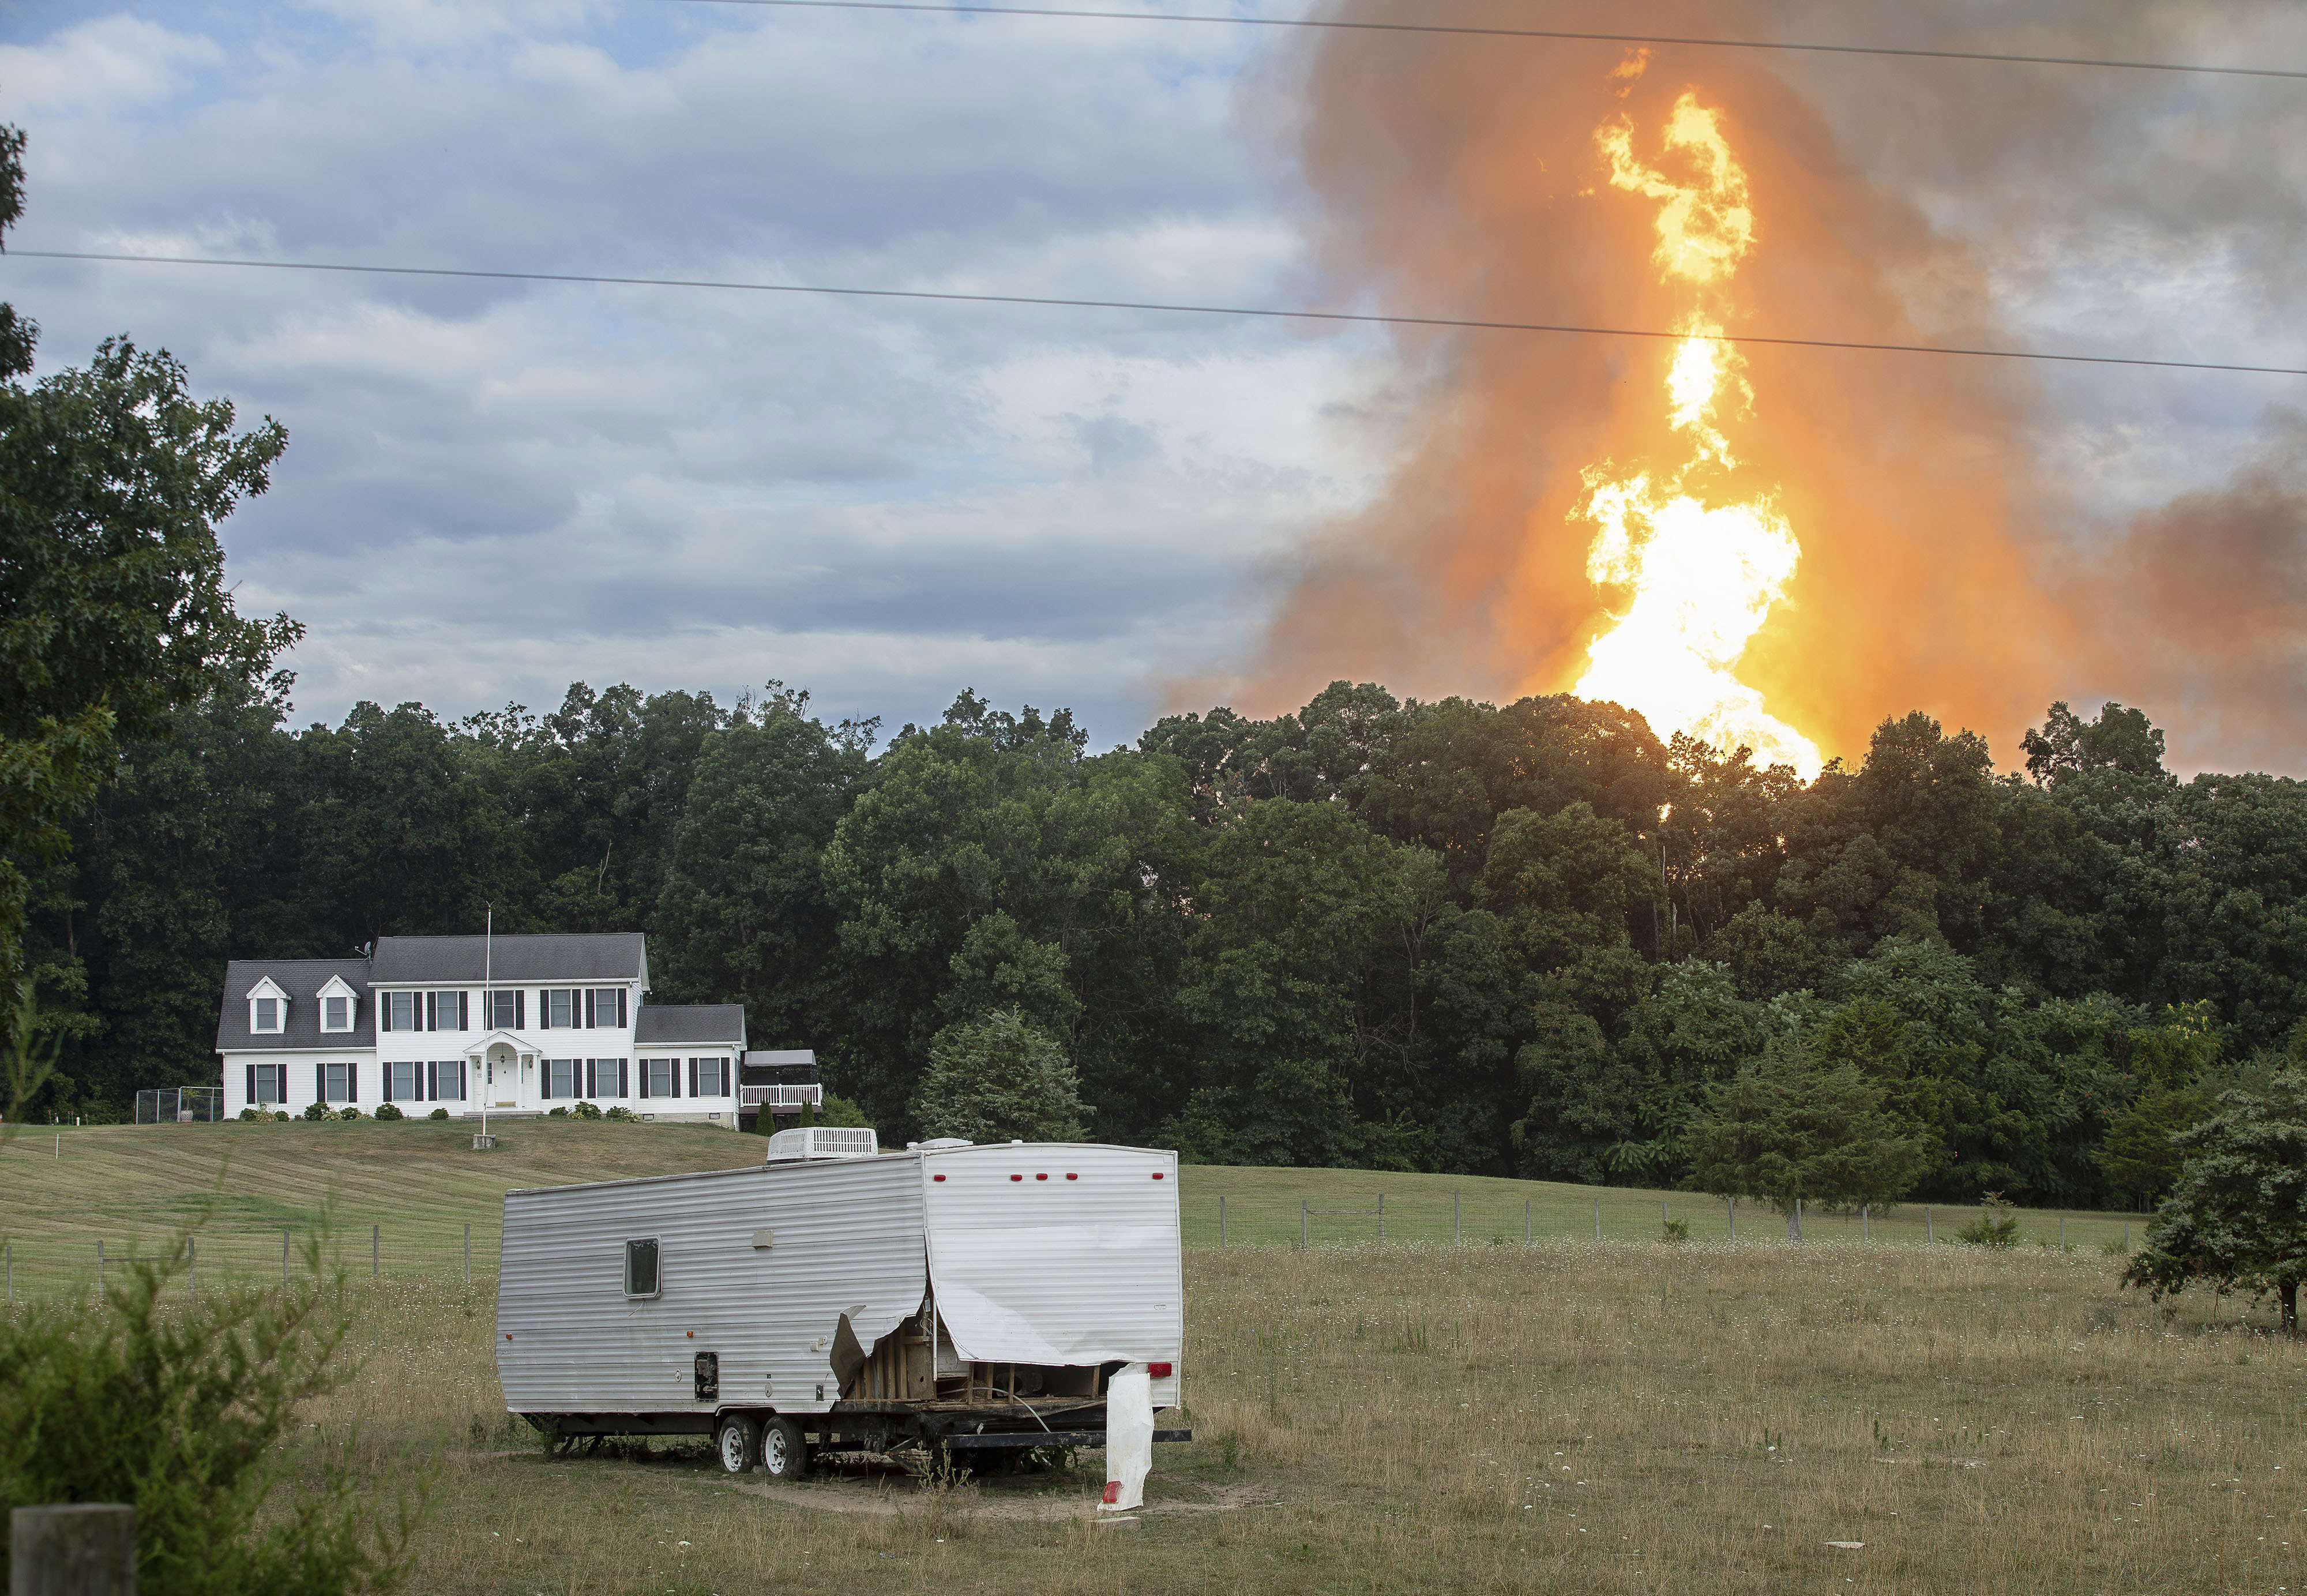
[1621, 1417]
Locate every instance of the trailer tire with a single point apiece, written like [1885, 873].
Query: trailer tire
[736, 1443]
[785, 1455]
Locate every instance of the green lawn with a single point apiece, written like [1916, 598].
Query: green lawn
[404, 1193]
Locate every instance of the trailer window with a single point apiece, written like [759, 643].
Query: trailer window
[640, 1268]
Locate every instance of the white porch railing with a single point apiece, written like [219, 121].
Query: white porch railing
[779, 1099]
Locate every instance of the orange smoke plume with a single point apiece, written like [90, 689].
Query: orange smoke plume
[1768, 546]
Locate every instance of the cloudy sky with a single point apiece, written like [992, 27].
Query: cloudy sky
[495, 488]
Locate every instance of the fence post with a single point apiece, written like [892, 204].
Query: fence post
[1598, 1219]
[375, 1248]
[1381, 1216]
[468, 1253]
[283, 1257]
[1665, 1219]
[1222, 1236]
[2126, 1235]
[1866, 1231]
[1457, 1231]
[78, 1548]
[1302, 1242]
[1798, 1219]
[1734, 1216]
[1525, 1222]
[2062, 1233]
[99, 1275]
[1930, 1230]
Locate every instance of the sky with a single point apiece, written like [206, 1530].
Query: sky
[494, 489]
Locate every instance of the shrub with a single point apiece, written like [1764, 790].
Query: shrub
[586, 1111]
[387, 1111]
[438, 1114]
[252, 1113]
[559, 1113]
[349, 1112]
[1676, 1230]
[190, 1411]
[620, 1113]
[1997, 1224]
[283, 1117]
[997, 1078]
[320, 1111]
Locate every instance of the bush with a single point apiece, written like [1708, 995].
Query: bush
[620, 1113]
[1997, 1224]
[190, 1411]
[320, 1111]
[995, 1079]
[283, 1117]
[252, 1113]
[586, 1111]
[1676, 1230]
[349, 1112]
[438, 1114]
[387, 1111]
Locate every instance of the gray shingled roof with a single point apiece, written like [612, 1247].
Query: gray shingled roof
[302, 979]
[660, 1025]
[570, 956]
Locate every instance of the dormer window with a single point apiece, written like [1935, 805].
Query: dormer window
[339, 1005]
[268, 1009]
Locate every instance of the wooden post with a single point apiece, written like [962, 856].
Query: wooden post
[1598, 1219]
[1733, 1202]
[1302, 1243]
[1525, 1222]
[1866, 1231]
[2126, 1235]
[1221, 1235]
[1665, 1219]
[77, 1549]
[2062, 1233]
[1381, 1216]
[1457, 1231]
[1929, 1232]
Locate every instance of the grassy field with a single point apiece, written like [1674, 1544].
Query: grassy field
[1628, 1415]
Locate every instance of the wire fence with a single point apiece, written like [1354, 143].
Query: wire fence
[1333, 1218]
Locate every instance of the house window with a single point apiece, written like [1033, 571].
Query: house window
[506, 1010]
[264, 1084]
[400, 1011]
[709, 1077]
[336, 1014]
[562, 1077]
[642, 1268]
[337, 1083]
[606, 1076]
[446, 1010]
[445, 1078]
[403, 1082]
[267, 1016]
[605, 1007]
[661, 1077]
[559, 1008]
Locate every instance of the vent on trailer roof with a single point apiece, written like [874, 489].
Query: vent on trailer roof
[811, 1142]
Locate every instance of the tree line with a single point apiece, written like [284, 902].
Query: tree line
[1529, 938]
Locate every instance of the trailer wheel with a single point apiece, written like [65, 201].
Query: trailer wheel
[735, 1443]
[784, 1456]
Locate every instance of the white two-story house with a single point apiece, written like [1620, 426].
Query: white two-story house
[518, 1025]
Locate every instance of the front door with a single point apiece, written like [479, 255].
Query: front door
[504, 1084]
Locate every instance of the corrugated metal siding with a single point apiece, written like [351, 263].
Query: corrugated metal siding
[848, 1239]
[1056, 1271]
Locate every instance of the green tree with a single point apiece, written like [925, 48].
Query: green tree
[1788, 1130]
[2138, 1155]
[999, 1079]
[114, 609]
[2237, 1218]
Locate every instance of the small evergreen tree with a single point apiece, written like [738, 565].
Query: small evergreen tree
[1785, 1130]
[999, 1079]
[2237, 1218]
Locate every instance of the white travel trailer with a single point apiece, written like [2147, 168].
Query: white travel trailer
[949, 1298]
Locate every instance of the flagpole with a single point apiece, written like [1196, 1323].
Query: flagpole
[489, 999]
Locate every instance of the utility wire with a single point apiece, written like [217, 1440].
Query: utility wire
[1552, 33]
[1267, 313]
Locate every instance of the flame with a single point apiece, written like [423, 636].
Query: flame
[1701, 576]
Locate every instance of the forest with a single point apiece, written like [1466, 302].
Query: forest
[1528, 939]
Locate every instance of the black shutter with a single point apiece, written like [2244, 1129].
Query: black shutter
[352, 1082]
[591, 1009]
[621, 1021]
[384, 1011]
[252, 1084]
[428, 1017]
[693, 1077]
[642, 1086]
[320, 1084]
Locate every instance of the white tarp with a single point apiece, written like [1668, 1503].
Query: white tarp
[1128, 1437]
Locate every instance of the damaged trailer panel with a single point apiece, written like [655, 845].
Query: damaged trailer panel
[968, 1296]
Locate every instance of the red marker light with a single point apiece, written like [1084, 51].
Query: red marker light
[936, 1177]
[1072, 1177]
[1041, 1177]
[1016, 1177]
[1157, 1174]
[1160, 1371]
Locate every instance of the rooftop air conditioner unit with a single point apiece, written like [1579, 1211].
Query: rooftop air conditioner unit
[811, 1143]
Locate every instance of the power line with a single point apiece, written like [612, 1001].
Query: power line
[1266, 313]
[1549, 33]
